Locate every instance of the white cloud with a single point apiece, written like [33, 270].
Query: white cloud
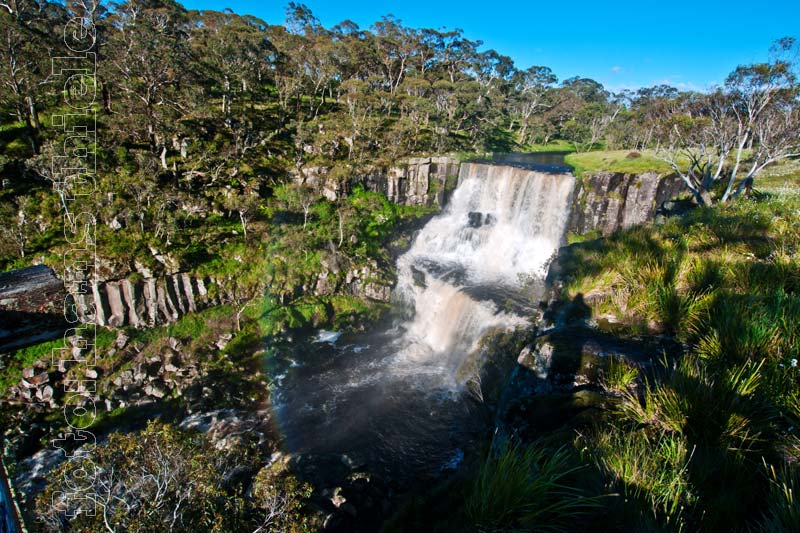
[616, 69]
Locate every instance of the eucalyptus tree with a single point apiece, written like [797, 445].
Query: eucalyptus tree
[750, 122]
[649, 105]
[765, 106]
[151, 69]
[236, 53]
[396, 47]
[529, 98]
[235, 56]
[29, 33]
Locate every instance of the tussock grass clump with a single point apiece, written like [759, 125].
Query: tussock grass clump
[669, 276]
[523, 489]
[722, 410]
[686, 450]
[783, 506]
[619, 375]
[649, 469]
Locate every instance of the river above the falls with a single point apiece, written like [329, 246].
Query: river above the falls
[392, 401]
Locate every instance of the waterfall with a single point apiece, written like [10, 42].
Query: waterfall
[499, 230]
[391, 397]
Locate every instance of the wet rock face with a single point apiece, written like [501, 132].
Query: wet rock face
[607, 202]
[476, 219]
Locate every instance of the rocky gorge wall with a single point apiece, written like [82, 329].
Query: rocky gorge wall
[603, 202]
[416, 181]
[421, 181]
[606, 202]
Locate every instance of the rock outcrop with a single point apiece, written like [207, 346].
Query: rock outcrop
[606, 202]
[422, 181]
[32, 306]
[417, 181]
[144, 302]
[603, 202]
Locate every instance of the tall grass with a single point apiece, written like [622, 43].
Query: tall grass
[783, 506]
[618, 375]
[650, 469]
[525, 488]
[686, 449]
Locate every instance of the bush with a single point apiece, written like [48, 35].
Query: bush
[165, 479]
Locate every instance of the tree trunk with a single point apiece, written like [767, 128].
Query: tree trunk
[244, 224]
[34, 115]
[341, 229]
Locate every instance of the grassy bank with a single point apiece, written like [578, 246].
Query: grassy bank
[624, 161]
[711, 443]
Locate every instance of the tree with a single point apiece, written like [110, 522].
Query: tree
[245, 204]
[161, 479]
[27, 37]
[165, 479]
[753, 119]
[279, 497]
[14, 226]
[589, 124]
[149, 65]
[297, 196]
[531, 87]
[765, 104]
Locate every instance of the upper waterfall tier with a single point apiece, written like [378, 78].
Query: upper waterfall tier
[501, 228]
[501, 223]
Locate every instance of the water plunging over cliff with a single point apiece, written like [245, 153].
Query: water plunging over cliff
[391, 399]
[468, 265]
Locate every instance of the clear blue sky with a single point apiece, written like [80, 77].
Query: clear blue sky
[623, 44]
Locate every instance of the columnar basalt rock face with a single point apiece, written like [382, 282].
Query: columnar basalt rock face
[422, 181]
[607, 202]
[144, 302]
[417, 181]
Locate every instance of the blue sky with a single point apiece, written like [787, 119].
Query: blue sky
[622, 44]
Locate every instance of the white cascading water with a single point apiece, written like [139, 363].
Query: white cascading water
[390, 398]
[502, 226]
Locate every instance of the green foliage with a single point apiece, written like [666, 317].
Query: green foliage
[619, 374]
[165, 479]
[525, 489]
[685, 448]
[783, 508]
[651, 472]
